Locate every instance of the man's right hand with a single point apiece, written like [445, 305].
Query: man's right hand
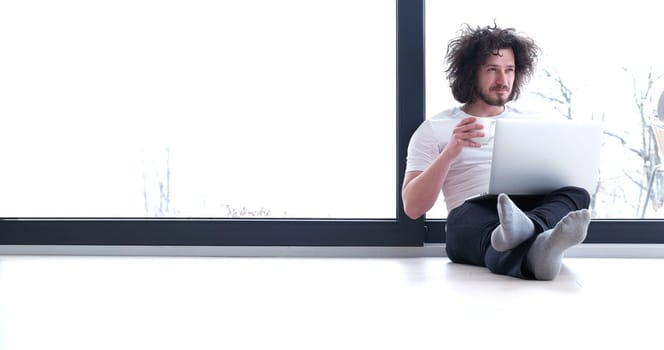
[462, 134]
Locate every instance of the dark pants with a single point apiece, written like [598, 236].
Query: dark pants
[469, 227]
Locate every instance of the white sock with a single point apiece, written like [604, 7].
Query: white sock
[515, 226]
[546, 253]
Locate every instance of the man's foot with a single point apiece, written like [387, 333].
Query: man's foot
[515, 226]
[546, 253]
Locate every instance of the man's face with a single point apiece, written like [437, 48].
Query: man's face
[495, 78]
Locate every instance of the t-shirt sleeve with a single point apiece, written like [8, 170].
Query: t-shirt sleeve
[423, 148]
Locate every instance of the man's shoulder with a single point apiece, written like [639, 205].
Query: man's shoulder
[439, 127]
[453, 113]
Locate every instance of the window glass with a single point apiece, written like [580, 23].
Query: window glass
[198, 108]
[606, 67]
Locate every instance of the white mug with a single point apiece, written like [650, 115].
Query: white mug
[489, 129]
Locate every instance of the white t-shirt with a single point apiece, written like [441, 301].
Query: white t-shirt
[469, 173]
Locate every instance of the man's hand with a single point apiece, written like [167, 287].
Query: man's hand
[462, 135]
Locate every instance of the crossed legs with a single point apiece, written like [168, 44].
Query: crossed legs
[546, 252]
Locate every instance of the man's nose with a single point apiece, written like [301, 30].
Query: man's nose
[501, 77]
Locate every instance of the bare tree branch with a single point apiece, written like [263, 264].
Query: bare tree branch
[622, 140]
[636, 182]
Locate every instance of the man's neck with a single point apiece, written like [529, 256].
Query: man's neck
[480, 109]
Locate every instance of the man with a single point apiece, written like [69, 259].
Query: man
[522, 236]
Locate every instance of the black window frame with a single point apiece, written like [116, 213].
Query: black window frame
[402, 231]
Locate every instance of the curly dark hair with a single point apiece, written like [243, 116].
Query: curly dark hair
[472, 48]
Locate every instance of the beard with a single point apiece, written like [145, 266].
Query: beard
[499, 101]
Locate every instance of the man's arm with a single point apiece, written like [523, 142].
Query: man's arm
[420, 189]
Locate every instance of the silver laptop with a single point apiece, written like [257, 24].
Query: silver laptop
[532, 156]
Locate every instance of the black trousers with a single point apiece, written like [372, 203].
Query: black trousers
[469, 227]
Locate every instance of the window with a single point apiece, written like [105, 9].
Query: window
[155, 115]
[590, 68]
[203, 123]
[199, 109]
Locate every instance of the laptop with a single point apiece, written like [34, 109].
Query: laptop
[534, 156]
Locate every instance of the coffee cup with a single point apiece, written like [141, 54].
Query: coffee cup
[489, 128]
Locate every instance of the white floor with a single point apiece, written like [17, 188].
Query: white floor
[59, 302]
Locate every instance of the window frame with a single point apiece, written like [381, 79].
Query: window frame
[401, 231]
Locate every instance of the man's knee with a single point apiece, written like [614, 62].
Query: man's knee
[578, 195]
